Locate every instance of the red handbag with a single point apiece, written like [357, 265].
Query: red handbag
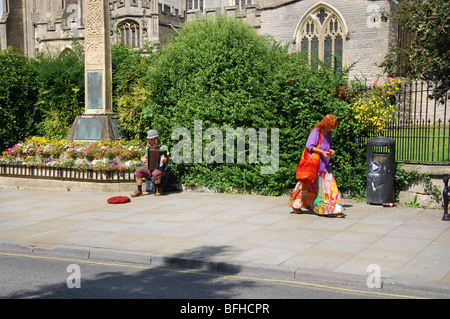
[308, 167]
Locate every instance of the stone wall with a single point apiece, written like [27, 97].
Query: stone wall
[15, 27]
[368, 37]
[367, 41]
[37, 25]
[69, 185]
[425, 198]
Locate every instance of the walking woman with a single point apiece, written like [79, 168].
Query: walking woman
[316, 188]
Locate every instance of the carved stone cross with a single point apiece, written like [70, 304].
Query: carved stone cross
[98, 121]
[97, 43]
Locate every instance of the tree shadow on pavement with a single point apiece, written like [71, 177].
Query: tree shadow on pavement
[192, 278]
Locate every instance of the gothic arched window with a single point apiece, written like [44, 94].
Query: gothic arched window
[130, 33]
[320, 34]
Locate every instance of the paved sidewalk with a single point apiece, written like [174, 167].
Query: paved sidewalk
[228, 232]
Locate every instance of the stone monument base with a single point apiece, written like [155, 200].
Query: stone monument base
[95, 127]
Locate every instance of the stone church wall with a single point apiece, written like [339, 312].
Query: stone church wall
[56, 22]
[369, 37]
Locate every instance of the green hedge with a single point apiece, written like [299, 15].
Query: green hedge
[18, 94]
[223, 75]
[60, 78]
[219, 73]
[131, 69]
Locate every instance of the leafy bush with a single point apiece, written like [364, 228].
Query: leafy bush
[60, 79]
[61, 88]
[224, 75]
[18, 90]
[209, 72]
[131, 69]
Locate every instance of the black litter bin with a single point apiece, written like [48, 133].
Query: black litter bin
[380, 170]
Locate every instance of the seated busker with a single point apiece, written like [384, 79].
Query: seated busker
[153, 143]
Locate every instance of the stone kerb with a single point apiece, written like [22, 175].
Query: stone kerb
[25, 182]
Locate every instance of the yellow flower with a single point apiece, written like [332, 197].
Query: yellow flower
[374, 107]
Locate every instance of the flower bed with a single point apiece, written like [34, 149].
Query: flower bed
[61, 159]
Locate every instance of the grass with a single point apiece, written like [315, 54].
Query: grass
[420, 144]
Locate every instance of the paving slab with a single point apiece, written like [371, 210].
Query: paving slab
[228, 232]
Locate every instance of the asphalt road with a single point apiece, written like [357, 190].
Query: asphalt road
[25, 276]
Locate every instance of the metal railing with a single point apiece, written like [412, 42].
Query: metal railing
[422, 127]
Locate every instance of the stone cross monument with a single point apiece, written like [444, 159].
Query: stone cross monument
[98, 121]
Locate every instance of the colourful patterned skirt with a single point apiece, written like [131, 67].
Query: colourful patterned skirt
[322, 197]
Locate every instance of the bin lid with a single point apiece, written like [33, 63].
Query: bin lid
[381, 141]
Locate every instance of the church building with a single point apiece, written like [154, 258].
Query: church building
[339, 32]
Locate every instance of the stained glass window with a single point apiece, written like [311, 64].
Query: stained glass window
[328, 51]
[314, 52]
[338, 43]
[320, 34]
